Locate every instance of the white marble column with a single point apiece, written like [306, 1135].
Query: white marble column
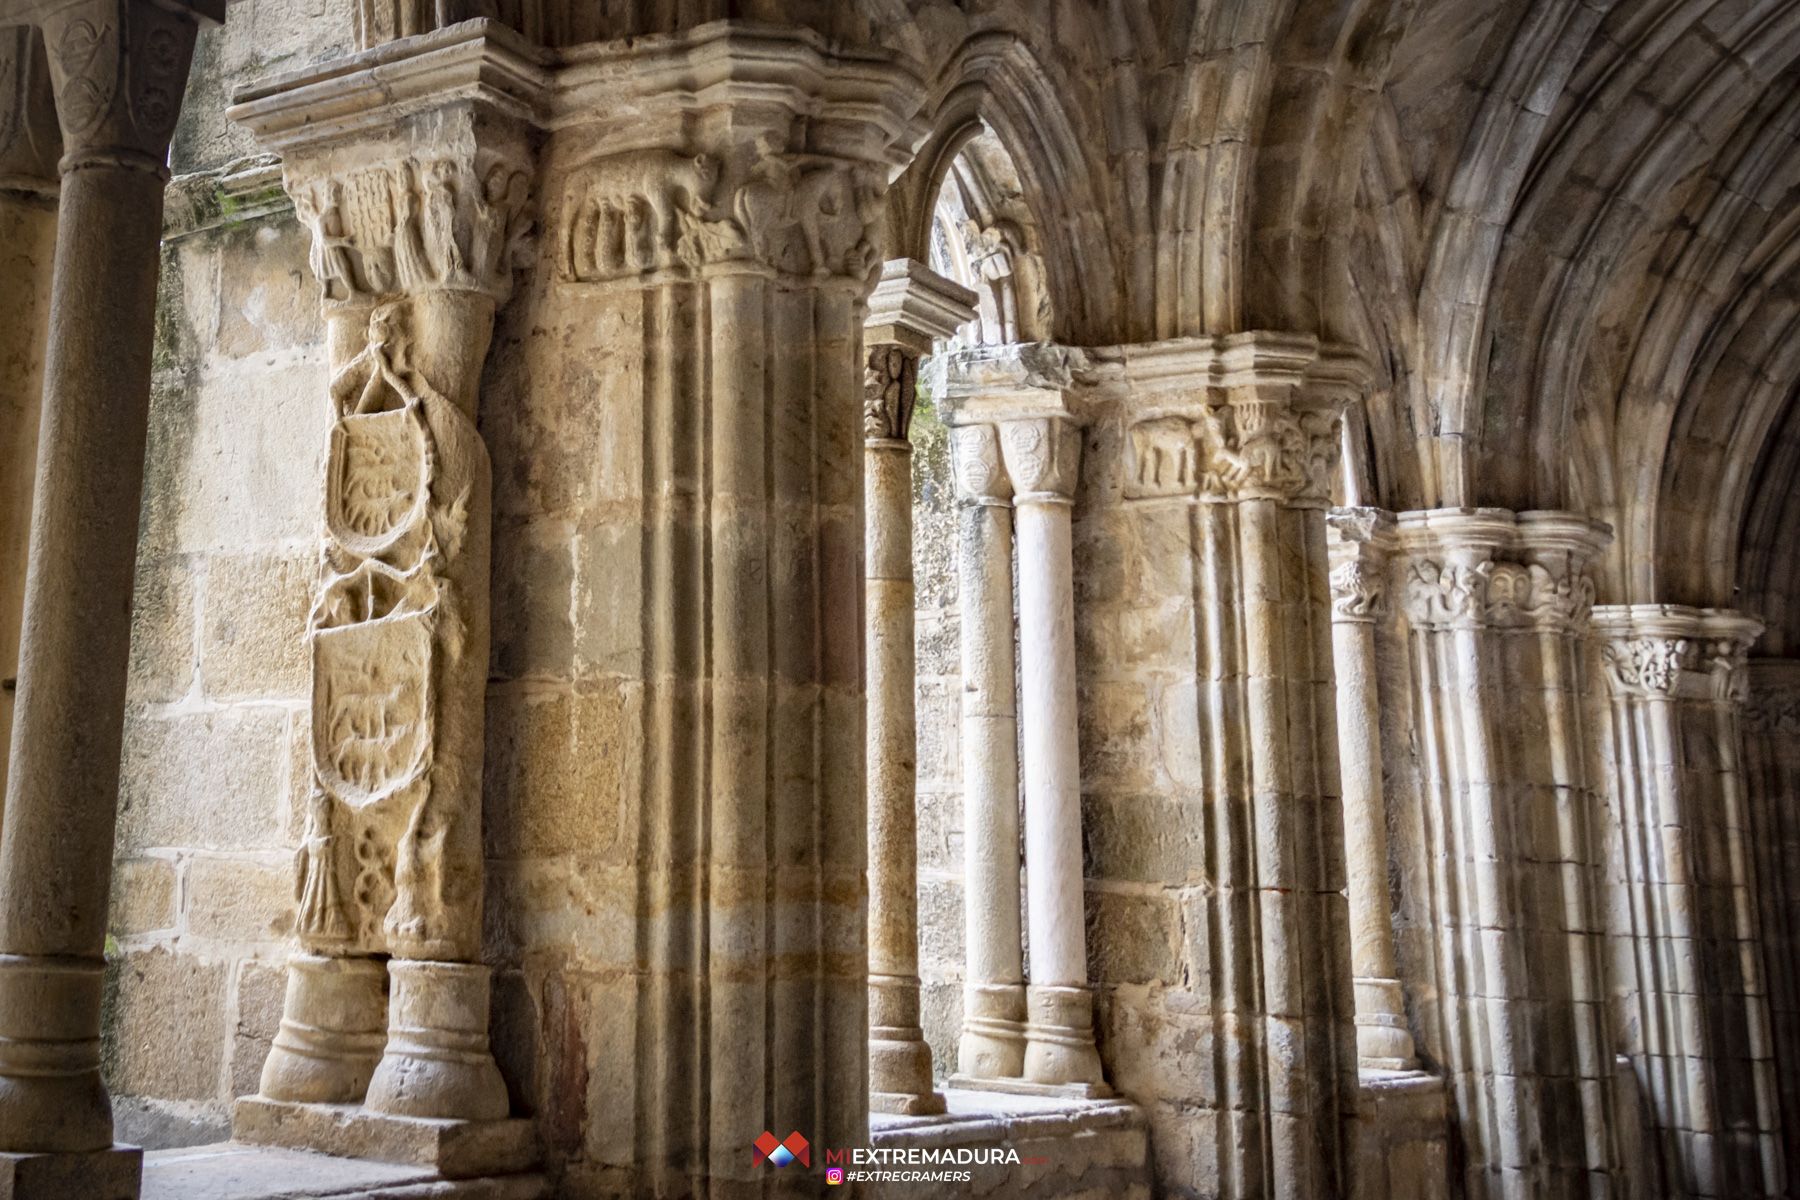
[418, 211]
[1700, 1037]
[993, 1035]
[116, 114]
[1042, 457]
[1360, 544]
[911, 306]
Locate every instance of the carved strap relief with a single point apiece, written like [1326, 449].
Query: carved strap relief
[640, 212]
[1238, 451]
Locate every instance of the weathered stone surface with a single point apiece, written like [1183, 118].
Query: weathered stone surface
[252, 641]
[210, 780]
[239, 900]
[143, 895]
[167, 1033]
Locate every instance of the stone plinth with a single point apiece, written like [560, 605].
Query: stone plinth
[1403, 1137]
[232, 1171]
[454, 1149]
[1065, 1148]
[110, 1174]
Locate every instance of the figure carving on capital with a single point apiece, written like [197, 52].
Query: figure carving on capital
[1647, 666]
[1358, 592]
[890, 386]
[416, 226]
[1257, 449]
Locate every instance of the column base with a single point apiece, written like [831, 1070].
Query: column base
[1059, 1046]
[52, 1100]
[1383, 1043]
[908, 1104]
[455, 1149]
[993, 1036]
[899, 1058]
[437, 1063]
[333, 1026]
[1025, 1087]
[110, 1174]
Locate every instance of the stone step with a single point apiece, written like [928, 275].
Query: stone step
[234, 1171]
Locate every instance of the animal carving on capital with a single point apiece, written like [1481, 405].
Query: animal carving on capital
[637, 214]
[1232, 452]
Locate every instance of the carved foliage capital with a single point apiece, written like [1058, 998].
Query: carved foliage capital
[437, 220]
[640, 217]
[1256, 447]
[1498, 595]
[1647, 666]
[890, 388]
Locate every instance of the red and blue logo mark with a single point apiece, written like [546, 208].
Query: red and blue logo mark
[780, 1154]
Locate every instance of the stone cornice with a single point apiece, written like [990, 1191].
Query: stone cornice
[1017, 381]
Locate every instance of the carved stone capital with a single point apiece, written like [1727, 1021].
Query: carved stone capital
[118, 69]
[975, 459]
[1042, 456]
[913, 305]
[1359, 542]
[771, 157]
[1773, 704]
[30, 140]
[412, 165]
[1489, 568]
[1671, 651]
[890, 389]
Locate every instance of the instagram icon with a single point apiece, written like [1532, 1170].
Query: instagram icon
[834, 1174]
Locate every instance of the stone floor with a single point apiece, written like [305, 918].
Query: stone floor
[230, 1171]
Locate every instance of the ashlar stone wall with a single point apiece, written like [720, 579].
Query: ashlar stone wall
[214, 778]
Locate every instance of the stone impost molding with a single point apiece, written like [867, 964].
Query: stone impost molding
[911, 306]
[117, 71]
[412, 166]
[1361, 542]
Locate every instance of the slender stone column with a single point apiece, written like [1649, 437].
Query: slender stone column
[120, 74]
[993, 1037]
[1702, 1047]
[30, 144]
[1498, 605]
[911, 306]
[1362, 540]
[1771, 725]
[417, 206]
[1042, 457]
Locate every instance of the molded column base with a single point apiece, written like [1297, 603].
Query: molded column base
[437, 1063]
[899, 1058]
[455, 1149]
[1383, 1042]
[110, 1174]
[333, 1026]
[993, 1037]
[1060, 1037]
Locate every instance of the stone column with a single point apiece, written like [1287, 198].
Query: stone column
[993, 1037]
[417, 206]
[1042, 457]
[714, 244]
[1497, 604]
[1230, 441]
[119, 73]
[30, 144]
[1361, 542]
[1771, 725]
[911, 306]
[1701, 1042]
